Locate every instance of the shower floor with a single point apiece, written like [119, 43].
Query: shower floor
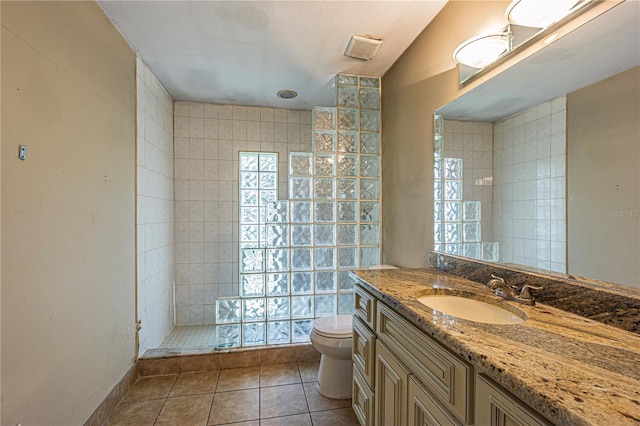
[183, 336]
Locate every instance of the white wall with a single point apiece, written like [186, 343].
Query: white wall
[68, 211]
[155, 209]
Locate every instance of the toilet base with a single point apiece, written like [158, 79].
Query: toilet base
[335, 377]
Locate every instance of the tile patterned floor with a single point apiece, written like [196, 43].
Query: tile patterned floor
[269, 395]
[190, 335]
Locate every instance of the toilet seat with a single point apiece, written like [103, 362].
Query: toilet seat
[334, 326]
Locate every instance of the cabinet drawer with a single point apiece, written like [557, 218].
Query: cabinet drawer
[424, 409]
[365, 307]
[364, 343]
[362, 399]
[447, 377]
[495, 406]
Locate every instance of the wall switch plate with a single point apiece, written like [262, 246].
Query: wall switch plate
[23, 152]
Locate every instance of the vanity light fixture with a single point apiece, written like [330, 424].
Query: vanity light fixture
[539, 13]
[478, 52]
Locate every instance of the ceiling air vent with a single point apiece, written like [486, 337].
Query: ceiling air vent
[363, 47]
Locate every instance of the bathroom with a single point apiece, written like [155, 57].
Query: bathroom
[78, 195]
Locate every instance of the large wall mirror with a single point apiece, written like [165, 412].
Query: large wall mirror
[539, 166]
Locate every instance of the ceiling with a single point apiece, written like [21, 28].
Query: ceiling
[244, 52]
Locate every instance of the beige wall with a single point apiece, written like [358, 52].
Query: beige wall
[422, 80]
[603, 153]
[68, 294]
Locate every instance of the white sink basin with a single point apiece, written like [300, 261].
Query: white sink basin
[470, 309]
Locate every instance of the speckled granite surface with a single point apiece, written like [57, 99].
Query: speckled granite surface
[570, 369]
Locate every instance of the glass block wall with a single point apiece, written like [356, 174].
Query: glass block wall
[295, 254]
[457, 223]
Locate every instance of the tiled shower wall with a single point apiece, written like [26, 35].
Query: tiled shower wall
[208, 138]
[529, 186]
[155, 208]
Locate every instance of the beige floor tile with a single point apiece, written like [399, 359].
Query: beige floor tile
[297, 420]
[192, 410]
[139, 413]
[339, 417]
[309, 370]
[318, 402]
[277, 401]
[195, 383]
[279, 374]
[251, 423]
[235, 406]
[238, 378]
[152, 387]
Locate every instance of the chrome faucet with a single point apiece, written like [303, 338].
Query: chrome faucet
[505, 291]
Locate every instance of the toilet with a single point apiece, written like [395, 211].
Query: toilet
[332, 336]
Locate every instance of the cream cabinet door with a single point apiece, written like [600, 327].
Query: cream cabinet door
[424, 409]
[390, 390]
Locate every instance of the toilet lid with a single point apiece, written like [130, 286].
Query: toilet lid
[337, 326]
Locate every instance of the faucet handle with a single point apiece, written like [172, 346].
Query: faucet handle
[495, 277]
[525, 292]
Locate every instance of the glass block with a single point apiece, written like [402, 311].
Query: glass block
[325, 235]
[301, 235]
[472, 250]
[369, 121]
[324, 188]
[345, 282]
[248, 197]
[369, 234]
[277, 284]
[325, 282]
[324, 211]
[252, 260]
[253, 309]
[277, 212]
[347, 165]
[347, 235]
[438, 211]
[249, 180]
[347, 97]
[325, 305]
[347, 142]
[302, 307]
[301, 212]
[300, 163]
[300, 330]
[249, 233]
[277, 260]
[369, 165]
[301, 259]
[490, 252]
[346, 304]
[438, 233]
[438, 192]
[267, 196]
[299, 188]
[452, 190]
[438, 147]
[437, 168]
[227, 336]
[227, 310]
[249, 162]
[369, 143]
[324, 165]
[324, 118]
[370, 81]
[438, 247]
[471, 232]
[344, 79]
[452, 168]
[251, 285]
[369, 189]
[268, 162]
[278, 308]
[278, 332]
[347, 257]
[347, 119]
[437, 124]
[452, 211]
[347, 189]
[268, 180]
[277, 235]
[325, 258]
[253, 334]
[302, 282]
[369, 211]
[324, 141]
[453, 249]
[452, 232]
[347, 211]
[369, 256]
[369, 99]
[472, 211]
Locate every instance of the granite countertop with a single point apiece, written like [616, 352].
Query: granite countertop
[570, 369]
